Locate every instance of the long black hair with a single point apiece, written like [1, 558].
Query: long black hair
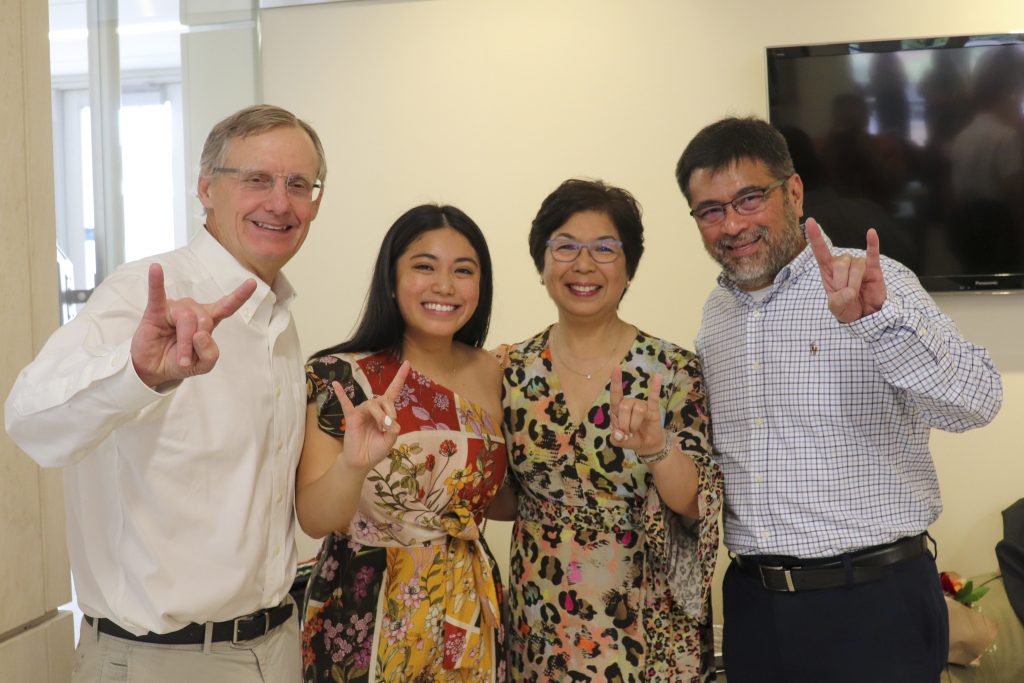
[381, 327]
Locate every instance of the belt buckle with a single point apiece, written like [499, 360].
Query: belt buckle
[234, 626]
[786, 572]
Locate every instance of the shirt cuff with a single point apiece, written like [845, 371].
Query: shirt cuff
[126, 390]
[870, 328]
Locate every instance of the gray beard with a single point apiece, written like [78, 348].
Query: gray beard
[748, 274]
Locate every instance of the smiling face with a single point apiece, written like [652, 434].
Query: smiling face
[752, 249]
[584, 287]
[437, 283]
[262, 230]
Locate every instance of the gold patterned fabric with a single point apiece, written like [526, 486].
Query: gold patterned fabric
[411, 591]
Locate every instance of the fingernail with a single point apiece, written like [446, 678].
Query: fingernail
[617, 435]
[388, 421]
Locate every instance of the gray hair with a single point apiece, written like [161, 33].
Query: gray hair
[254, 120]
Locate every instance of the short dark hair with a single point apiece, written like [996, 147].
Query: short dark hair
[576, 195]
[381, 326]
[725, 142]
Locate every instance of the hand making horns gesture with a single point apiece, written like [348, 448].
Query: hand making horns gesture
[371, 428]
[174, 339]
[636, 423]
[854, 285]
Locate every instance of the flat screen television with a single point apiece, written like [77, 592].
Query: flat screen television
[921, 139]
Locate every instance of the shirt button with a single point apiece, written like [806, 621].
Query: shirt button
[755, 365]
[765, 534]
[756, 313]
[759, 478]
[277, 551]
[759, 422]
[280, 445]
[277, 392]
[279, 498]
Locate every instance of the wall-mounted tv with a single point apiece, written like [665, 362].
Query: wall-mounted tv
[921, 139]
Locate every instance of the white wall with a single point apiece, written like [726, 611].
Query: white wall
[489, 105]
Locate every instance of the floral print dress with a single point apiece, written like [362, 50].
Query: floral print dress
[411, 592]
[607, 583]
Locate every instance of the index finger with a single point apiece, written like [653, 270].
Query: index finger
[395, 388]
[615, 391]
[229, 303]
[343, 399]
[819, 247]
[156, 301]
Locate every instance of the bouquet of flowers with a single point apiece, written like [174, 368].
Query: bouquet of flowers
[971, 633]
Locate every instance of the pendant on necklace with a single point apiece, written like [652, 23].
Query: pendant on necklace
[590, 375]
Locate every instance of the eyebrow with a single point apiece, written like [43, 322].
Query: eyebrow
[257, 169]
[575, 239]
[461, 259]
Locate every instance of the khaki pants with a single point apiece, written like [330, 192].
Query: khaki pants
[274, 658]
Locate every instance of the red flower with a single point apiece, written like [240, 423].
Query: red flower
[431, 460]
[951, 583]
[448, 448]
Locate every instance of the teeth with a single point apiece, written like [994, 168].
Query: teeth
[443, 308]
[267, 226]
[583, 288]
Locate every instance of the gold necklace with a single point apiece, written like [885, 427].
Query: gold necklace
[587, 375]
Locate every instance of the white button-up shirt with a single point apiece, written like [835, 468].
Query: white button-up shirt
[822, 428]
[179, 504]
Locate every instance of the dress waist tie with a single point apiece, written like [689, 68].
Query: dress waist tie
[471, 613]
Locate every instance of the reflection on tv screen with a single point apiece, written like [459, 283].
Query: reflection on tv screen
[922, 140]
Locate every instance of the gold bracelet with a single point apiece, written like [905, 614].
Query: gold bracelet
[655, 458]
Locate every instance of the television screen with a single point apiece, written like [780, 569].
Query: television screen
[921, 139]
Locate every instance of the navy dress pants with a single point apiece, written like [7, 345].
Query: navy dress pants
[895, 630]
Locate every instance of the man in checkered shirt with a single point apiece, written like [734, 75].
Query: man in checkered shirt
[825, 370]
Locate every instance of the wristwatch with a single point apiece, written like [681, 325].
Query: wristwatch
[655, 458]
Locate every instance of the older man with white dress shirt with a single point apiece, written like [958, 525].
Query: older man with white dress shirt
[175, 404]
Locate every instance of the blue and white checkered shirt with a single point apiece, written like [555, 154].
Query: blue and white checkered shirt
[821, 428]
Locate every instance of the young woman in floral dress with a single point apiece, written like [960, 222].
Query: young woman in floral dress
[403, 452]
[616, 494]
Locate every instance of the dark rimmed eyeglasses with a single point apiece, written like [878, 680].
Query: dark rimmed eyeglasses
[745, 204]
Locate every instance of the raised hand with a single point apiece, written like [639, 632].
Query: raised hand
[174, 339]
[636, 423]
[371, 428]
[854, 285]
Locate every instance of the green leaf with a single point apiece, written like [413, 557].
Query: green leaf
[964, 592]
[975, 595]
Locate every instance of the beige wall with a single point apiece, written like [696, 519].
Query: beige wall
[488, 105]
[35, 639]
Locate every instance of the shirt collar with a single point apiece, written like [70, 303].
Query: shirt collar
[225, 270]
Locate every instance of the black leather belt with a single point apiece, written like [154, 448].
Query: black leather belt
[858, 567]
[237, 630]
